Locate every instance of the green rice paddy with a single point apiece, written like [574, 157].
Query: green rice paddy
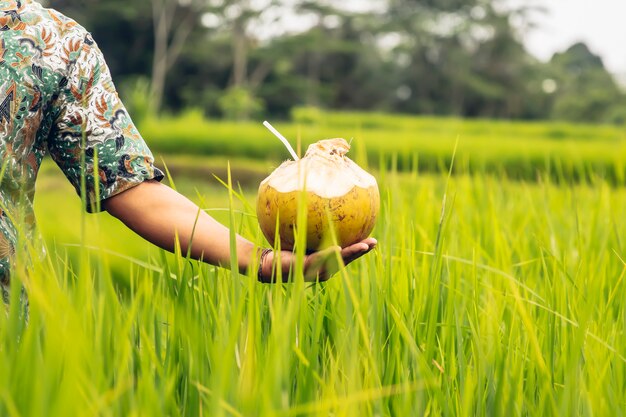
[490, 294]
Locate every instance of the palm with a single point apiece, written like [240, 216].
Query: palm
[322, 265]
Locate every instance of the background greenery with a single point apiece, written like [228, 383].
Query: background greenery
[231, 59]
[512, 149]
[497, 288]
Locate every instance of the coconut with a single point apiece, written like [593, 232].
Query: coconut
[339, 195]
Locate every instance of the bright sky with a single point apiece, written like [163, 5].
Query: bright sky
[601, 24]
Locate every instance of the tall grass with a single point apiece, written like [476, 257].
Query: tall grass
[505, 298]
[523, 151]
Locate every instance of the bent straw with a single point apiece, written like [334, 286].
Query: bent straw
[282, 139]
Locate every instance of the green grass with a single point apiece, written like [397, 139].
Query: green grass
[486, 297]
[521, 151]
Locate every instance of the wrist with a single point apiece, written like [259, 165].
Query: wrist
[264, 273]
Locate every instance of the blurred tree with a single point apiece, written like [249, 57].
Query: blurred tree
[122, 29]
[138, 37]
[238, 21]
[586, 91]
[238, 104]
[506, 72]
[173, 21]
[335, 63]
[461, 57]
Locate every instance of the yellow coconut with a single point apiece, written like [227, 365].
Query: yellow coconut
[339, 195]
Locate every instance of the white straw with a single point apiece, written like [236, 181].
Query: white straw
[282, 139]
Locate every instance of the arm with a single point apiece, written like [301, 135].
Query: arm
[154, 211]
[159, 214]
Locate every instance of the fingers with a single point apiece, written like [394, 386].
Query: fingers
[324, 263]
[370, 241]
[357, 250]
[320, 266]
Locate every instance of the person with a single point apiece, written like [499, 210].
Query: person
[57, 97]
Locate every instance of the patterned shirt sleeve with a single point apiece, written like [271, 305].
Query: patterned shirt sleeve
[93, 139]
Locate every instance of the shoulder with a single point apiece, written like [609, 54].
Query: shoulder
[55, 40]
[32, 13]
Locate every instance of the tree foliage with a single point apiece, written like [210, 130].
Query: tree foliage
[452, 57]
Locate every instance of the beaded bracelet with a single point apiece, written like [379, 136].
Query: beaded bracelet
[264, 254]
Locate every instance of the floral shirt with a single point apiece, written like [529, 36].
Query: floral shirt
[57, 98]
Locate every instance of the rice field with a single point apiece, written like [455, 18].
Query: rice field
[487, 296]
[515, 150]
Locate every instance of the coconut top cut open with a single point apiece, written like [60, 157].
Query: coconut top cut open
[325, 170]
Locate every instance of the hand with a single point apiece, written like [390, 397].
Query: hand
[318, 266]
